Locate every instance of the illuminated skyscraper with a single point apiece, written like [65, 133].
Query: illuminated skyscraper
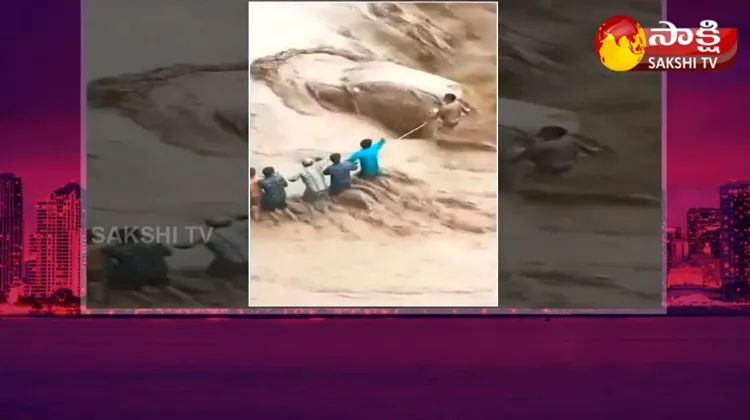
[55, 248]
[11, 232]
[703, 228]
[735, 232]
[676, 247]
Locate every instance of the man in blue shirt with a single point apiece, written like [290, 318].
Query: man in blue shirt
[368, 158]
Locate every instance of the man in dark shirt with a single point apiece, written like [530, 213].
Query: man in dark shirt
[134, 262]
[340, 173]
[273, 190]
[273, 187]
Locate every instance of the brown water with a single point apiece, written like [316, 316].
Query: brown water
[425, 235]
[156, 154]
[590, 239]
[169, 146]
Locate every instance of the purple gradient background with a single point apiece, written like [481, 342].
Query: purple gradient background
[362, 369]
[438, 368]
[40, 97]
[707, 135]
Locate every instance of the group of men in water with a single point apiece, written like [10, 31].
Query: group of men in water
[268, 194]
[554, 152]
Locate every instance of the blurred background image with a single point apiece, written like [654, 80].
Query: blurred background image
[166, 124]
[589, 238]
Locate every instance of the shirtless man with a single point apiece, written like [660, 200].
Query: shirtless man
[450, 111]
[255, 195]
[554, 152]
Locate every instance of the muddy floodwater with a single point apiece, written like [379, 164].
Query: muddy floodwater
[169, 131]
[591, 238]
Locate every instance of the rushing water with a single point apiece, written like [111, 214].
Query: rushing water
[431, 240]
[167, 142]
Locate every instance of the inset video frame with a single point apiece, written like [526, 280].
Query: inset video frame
[422, 233]
[166, 127]
[586, 237]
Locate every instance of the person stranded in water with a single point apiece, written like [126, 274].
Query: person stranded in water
[449, 112]
[554, 151]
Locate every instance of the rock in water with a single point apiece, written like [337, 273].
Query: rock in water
[135, 265]
[219, 222]
[230, 248]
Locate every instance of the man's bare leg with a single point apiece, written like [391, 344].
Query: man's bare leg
[286, 211]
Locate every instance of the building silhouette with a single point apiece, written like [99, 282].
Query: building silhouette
[703, 228]
[735, 233]
[676, 247]
[55, 248]
[711, 267]
[11, 232]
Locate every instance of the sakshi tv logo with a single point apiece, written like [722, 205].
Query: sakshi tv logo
[622, 44]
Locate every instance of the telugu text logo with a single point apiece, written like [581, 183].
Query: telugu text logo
[622, 44]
